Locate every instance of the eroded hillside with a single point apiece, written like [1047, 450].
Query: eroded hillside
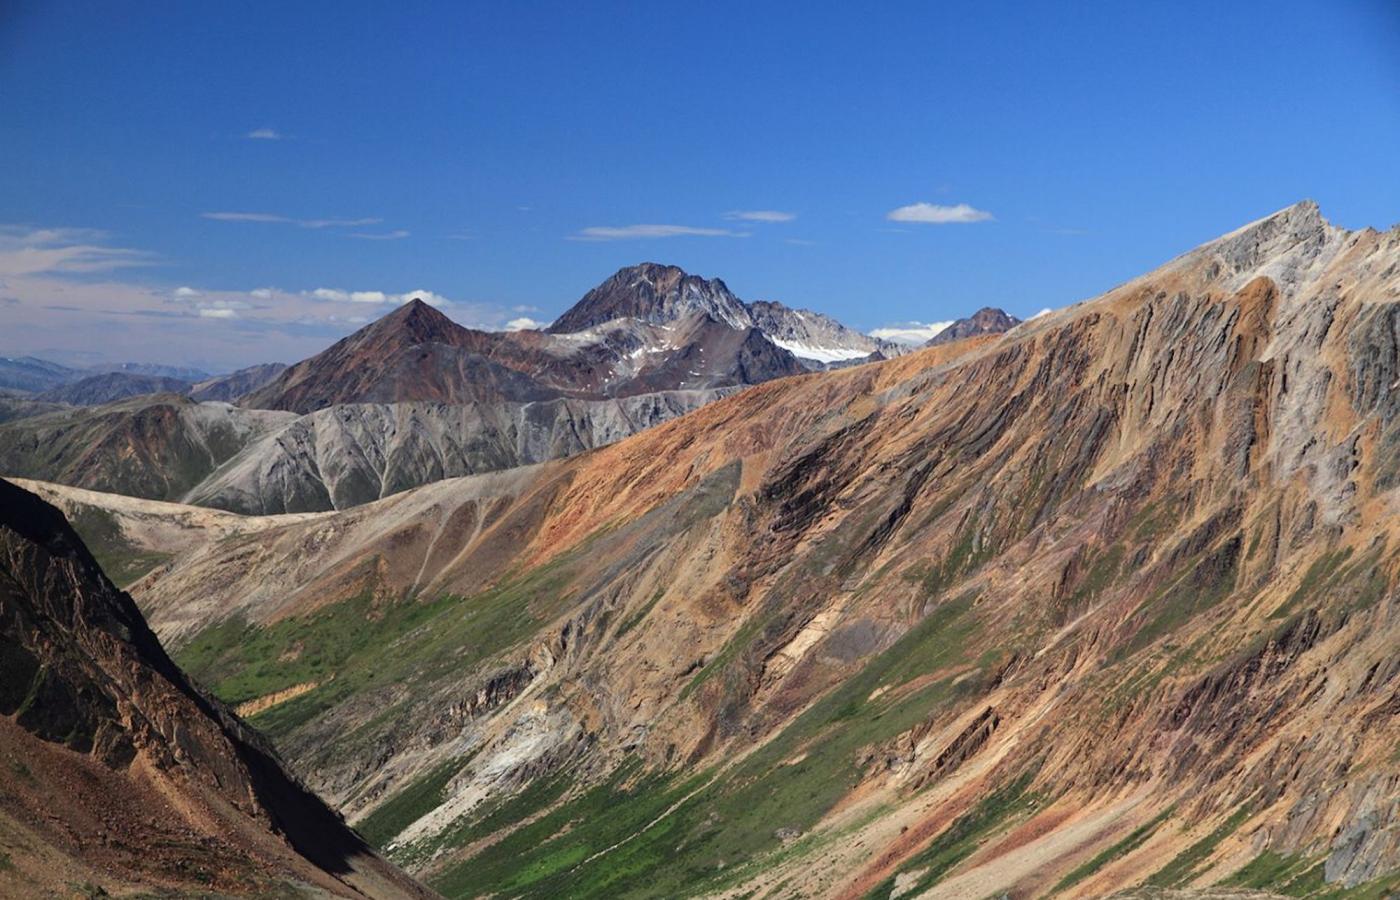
[1107, 600]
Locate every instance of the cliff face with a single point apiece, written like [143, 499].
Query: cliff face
[1106, 600]
[119, 772]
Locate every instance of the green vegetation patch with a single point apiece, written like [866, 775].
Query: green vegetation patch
[494, 819]
[1206, 582]
[1186, 865]
[959, 840]
[662, 836]
[361, 644]
[122, 561]
[418, 798]
[1292, 876]
[1135, 839]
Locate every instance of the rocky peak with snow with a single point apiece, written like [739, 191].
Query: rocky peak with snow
[655, 294]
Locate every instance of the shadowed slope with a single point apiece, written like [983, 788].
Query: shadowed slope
[128, 774]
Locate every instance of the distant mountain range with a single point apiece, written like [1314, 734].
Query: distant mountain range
[414, 397]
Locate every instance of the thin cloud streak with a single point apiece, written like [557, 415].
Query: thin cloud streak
[760, 215]
[643, 232]
[278, 219]
[396, 235]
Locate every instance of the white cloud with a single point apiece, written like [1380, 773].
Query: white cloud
[396, 235]
[288, 220]
[523, 323]
[909, 333]
[183, 292]
[335, 295]
[217, 313]
[936, 214]
[264, 134]
[760, 215]
[634, 232]
[261, 293]
[46, 251]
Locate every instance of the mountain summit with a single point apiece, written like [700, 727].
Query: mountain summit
[656, 294]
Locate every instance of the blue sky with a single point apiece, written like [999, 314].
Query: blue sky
[501, 155]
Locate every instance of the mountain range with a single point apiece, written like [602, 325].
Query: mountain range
[414, 397]
[1121, 618]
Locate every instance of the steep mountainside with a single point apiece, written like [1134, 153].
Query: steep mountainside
[120, 775]
[1125, 614]
[230, 387]
[987, 320]
[95, 390]
[158, 446]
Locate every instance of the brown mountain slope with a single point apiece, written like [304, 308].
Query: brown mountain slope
[119, 773]
[417, 353]
[1123, 614]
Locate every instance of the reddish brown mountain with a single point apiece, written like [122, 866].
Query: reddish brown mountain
[418, 353]
[987, 320]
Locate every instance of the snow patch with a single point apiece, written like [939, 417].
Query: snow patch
[820, 354]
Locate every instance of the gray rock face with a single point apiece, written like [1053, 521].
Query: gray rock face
[354, 453]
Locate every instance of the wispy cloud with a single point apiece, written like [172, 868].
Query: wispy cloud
[642, 232]
[759, 215]
[336, 295]
[48, 251]
[909, 333]
[278, 219]
[264, 134]
[396, 235]
[799, 242]
[937, 214]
